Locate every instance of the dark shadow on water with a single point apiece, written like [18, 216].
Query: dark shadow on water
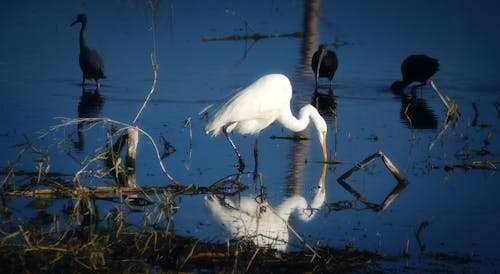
[325, 102]
[90, 106]
[414, 111]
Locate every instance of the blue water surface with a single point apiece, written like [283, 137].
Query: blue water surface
[40, 83]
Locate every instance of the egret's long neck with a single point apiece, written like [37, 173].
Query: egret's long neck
[82, 35]
[305, 114]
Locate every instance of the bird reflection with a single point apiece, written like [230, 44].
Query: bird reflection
[90, 106]
[415, 113]
[265, 226]
[90, 61]
[325, 103]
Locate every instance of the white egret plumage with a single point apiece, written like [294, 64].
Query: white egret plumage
[254, 108]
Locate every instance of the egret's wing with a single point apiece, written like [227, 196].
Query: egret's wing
[254, 107]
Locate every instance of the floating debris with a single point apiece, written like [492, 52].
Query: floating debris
[401, 179]
[168, 148]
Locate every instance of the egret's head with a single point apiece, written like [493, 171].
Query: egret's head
[80, 18]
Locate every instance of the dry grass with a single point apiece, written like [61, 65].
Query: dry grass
[132, 251]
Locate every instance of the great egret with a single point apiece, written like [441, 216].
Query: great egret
[416, 68]
[324, 63]
[254, 108]
[90, 61]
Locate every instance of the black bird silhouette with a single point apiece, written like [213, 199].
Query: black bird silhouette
[324, 63]
[416, 68]
[90, 61]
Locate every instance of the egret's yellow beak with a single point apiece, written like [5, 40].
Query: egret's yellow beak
[323, 147]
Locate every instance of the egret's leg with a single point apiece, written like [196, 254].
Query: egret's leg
[97, 83]
[240, 159]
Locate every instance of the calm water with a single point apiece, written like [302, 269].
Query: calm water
[40, 80]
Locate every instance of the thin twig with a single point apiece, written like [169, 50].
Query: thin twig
[154, 63]
[301, 240]
[251, 259]
[151, 90]
[243, 19]
[443, 99]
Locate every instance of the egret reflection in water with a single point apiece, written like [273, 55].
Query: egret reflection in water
[266, 226]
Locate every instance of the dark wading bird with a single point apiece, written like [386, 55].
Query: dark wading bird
[90, 61]
[416, 68]
[254, 108]
[324, 63]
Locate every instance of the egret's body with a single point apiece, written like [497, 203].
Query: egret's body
[90, 61]
[416, 68]
[324, 63]
[257, 106]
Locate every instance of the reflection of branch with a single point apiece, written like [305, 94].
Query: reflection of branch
[422, 226]
[476, 114]
[256, 36]
[247, 24]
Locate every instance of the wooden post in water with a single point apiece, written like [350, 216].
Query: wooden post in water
[132, 141]
[124, 176]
